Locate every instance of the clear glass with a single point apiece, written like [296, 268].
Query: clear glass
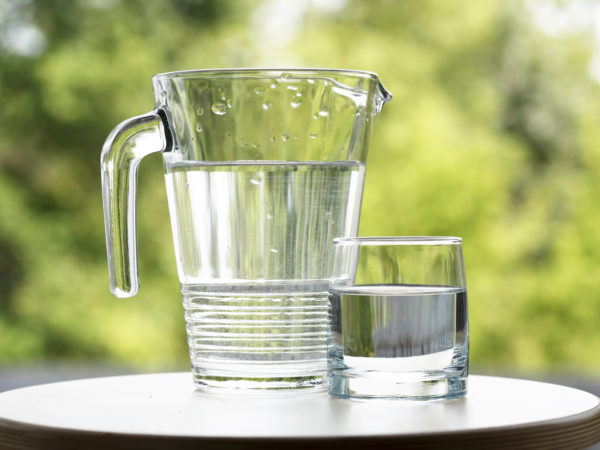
[264, 168]
[399, 319]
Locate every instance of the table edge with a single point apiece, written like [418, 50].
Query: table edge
[576, 431]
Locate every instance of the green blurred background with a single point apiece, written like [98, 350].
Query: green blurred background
[492, 135]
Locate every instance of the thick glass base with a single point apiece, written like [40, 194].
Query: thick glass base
[427, 377]
[422, 387]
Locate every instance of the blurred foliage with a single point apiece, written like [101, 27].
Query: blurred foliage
[492, 135]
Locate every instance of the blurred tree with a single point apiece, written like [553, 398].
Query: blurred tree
[491, 135]
[60, 104]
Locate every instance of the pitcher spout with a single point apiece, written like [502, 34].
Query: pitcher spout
[382, 96]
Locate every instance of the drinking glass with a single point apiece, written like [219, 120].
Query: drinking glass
[399, 318]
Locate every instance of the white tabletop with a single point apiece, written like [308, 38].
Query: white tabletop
[162, 406]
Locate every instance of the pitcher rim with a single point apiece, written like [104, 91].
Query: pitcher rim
[222, 71]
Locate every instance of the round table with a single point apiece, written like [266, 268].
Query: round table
[164, 411]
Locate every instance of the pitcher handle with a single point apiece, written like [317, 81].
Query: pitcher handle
[126, 145]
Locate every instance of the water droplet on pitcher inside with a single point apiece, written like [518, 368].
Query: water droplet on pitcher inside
[269, 216]
[313, 135]
[324, 111]
[273, 138]
[292, 87]
[200, 110]
[286, 75]
[253, 181]
[296, 102]
[273, 85]
[259, 90]
[199, 127]
[285, 137]
[315, 115]
[219, 108]
[274, 250]
[267, 105]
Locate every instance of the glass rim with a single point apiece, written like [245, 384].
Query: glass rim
[399, 240]
[269, 72]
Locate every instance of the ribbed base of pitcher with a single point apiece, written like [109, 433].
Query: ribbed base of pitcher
[257, 340]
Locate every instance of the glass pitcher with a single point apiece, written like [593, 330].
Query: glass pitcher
[263, 168]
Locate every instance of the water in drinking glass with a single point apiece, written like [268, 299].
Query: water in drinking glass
[386, 336]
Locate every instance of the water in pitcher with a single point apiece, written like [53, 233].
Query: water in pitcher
[253, 246]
